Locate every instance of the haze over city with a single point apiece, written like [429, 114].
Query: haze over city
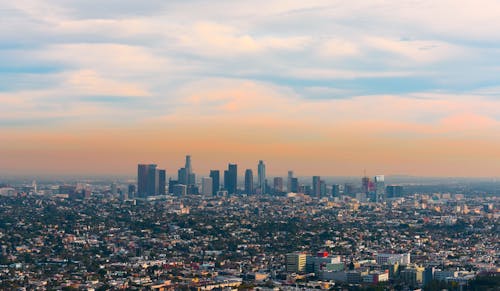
[321, 87]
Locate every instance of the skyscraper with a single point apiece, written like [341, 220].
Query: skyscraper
[336, 190]
[278, 185]
[182, 176]
[215, 175]
[379, 187]
[162, 180]
[394, 191]
[146, 180]
[189, 170]
[190, 176]
[248, 181]
[289, 181]
[261, 177]
[226, 180]
[294, 185]
[206, 186]
[365, 184]
[232, 175]
[316, 186]
[322, 188]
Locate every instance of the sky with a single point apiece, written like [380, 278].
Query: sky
[327, 88]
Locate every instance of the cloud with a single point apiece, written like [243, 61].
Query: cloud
[214, 39]
[421, 52]
[347, 76]
[336, 48]
[89, 83]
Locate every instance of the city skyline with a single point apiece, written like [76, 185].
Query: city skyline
[324, 87]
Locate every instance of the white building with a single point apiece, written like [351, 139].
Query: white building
[206, 186]
[390, 259]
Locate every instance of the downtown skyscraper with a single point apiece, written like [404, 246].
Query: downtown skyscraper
[150, 180]
[261, 177]
[215, 175]
[249, 182]
[231, 178]
[146, 180]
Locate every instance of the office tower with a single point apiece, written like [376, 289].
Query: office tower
[171, 184]
[188, 167]
[428, 275]
[393, 191]
[191, 179]
[114, 189]
[192, 189]
[278, 184]
[289, 181]
[179, 190]
[226, 180]
[379, 182]
[294, 185]
[162, 180]
[131, 191]
[190, 175]
[365, 185]
[215, 175]
[316, 186]
[232, 175]
[206, 186]
[322, 188]
[261, 177]
[296, 262]
[348, 189]
[146, 180]
[335, 190]
[248, 182]
[157, 182]
[306, 189]
[182, 176]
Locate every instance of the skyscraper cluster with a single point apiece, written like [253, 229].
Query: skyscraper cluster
[152, 181]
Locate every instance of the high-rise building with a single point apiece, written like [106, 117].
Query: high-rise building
[316, 186]
[379, 181]
[215, 175]
[322, 188]
[248, 181]
[192, 179]
[162, 180]
[188, 167]
[232, 177]
[171, 184]
[146, 180]
[226, 180]
[289, 181]
[336, 190]
[278, 184]
[365, 185]
[261, 177]
[206, 186]
[182, 176]
[190, 175]
[348, 189]
[131, 191]
[294, 185]
[394, 191]
[296, 262]
[179, 190]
